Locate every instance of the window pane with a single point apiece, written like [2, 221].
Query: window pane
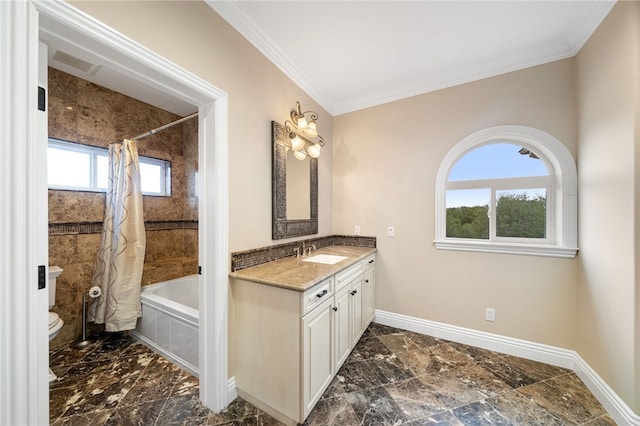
[521, 213]
[467, 213]
[498, 160]
[151, 178]
[68, 168]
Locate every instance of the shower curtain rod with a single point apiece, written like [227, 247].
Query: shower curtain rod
[166, 126]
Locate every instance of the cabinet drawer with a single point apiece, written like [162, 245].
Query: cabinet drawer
[343, 278]
[369, 261]
[316, 295]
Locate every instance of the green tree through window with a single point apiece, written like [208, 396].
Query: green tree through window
[521, 215]
[468, 222]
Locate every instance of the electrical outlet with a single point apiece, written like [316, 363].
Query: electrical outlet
[356, 230]
[490, 314]
[391, 231]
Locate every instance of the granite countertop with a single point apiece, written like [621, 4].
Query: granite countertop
[295, 274]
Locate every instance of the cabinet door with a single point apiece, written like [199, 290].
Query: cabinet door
[317, 355]
[369, 297]
[341, 327]
[356, 310]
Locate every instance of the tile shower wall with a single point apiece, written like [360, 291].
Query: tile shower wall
[80, 111]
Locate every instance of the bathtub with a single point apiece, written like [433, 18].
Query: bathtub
[169, 323]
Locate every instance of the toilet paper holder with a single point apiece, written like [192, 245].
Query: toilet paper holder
[83, 340]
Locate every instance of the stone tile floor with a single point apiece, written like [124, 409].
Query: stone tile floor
[392, 377]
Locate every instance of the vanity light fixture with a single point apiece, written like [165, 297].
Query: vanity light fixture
[303, 134]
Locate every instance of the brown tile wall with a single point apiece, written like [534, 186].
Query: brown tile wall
[80, 111]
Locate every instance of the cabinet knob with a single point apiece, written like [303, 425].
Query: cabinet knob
[335, 309]
[371, 261]
[322, 293]
[353, 293]
[366, 281]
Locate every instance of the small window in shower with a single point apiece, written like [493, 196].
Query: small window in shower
[77, 167]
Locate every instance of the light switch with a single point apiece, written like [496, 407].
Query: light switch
[391, 231]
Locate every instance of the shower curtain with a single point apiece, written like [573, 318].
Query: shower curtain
[121, 254]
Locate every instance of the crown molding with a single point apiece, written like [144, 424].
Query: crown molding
[572, 44]
[513, 63]
[239, 21]
[599, 11]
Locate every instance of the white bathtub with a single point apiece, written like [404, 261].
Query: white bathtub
[169, 323]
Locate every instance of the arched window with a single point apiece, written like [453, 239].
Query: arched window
[508, 189]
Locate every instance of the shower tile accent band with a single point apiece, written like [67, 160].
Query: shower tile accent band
[248, 258]
[96, 227]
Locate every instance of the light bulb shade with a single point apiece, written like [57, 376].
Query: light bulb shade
[302, 123]
[300, 155]
[314, 151]
[310, 131]
[297, 144]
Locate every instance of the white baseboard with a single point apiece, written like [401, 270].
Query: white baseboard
[616, 407]
[232, 392]
[565, 358]
[522, 348]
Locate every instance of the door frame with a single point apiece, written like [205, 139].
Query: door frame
[24, 389]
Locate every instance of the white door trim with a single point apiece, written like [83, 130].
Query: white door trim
[23, 308]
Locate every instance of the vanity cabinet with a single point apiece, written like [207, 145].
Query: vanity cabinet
[369, 290]
[357, 326]
[290, 344]
[342, 341]
[317, 357]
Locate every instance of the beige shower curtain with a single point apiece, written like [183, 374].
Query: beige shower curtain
[121, 255]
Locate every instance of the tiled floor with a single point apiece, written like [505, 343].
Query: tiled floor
[392, 377]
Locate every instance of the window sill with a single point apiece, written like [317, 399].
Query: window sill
[506, 248]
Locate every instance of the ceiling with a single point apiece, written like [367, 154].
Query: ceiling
[349, 55]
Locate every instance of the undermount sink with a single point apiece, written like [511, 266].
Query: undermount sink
[328, 259]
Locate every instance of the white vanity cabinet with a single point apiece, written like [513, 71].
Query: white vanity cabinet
[369, 289]
[351, 279]
[342, 341]
[317, 356]
[290, 344]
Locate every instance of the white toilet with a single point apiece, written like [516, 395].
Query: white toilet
[55, 322]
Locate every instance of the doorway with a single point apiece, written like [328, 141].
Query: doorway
[62, 24]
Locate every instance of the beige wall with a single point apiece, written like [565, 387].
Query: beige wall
[636, 380]
[385, 164]
[608, 71]
[194, 37]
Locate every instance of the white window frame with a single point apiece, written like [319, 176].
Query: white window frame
[94, 152]
[561, 184]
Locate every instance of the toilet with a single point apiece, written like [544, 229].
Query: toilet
[55, 322]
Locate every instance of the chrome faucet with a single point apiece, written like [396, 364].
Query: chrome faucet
[305, 251]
